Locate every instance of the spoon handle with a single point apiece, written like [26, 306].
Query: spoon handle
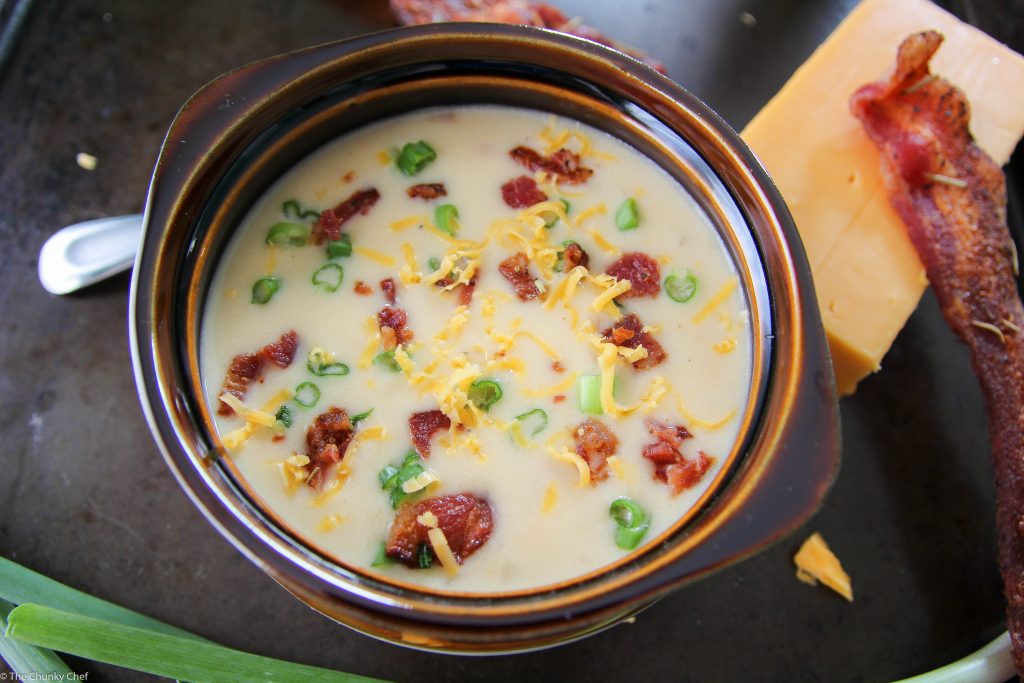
[88, 252]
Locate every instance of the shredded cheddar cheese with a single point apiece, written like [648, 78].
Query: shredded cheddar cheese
[374, 255]
[550, 498]
[569, 456]
[717, 300]
[329, 523]
[694, 421]
[602, 242]
[443, 551]
[586, 214]
[815, 562]
[406, 223]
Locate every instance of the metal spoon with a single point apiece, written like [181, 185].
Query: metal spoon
[84, 253]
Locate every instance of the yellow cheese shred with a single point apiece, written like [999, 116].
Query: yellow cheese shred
[375, 255]
[720, 296]
[586, 214]
[550, 498]
[553, 390]
[605, 246]
[443, 551]
[694, 421]
[815, 562]
[603, 301]
[372, 343]
[329, 523]
[406, 223]
[566, 455]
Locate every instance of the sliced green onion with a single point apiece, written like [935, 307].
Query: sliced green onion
[392, 477]
[387, 361]
[28, 661]
[328, 277]
[356, 419]
[631, 520]
[410, 458]
[291, 209]
[447, 218]
[292, 234]
[307, 394]
[414, 157]
[340, 247]
[423, 557]
[284, 416]
[536, 418]
[264, 289]
[681, 289]
[554, 217]
[627, 217]
[382, 559]
[322, 364]
[434, 263]
[387, 476]
[560, 263]
[171, 656]
[484, 393]
[310, 214]
[588, 390]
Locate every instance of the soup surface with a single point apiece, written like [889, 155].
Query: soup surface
[477, 349]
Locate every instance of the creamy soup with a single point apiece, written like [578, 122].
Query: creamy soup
[477, 349]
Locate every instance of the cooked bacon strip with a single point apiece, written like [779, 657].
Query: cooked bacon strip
[362, 289]
[574, 255]
[670, 465]
[392, 321]
[427, 191]
[423, 426]
[595, 443]
[563, 164]
[641, 270]
[516, 269]
[247, 367]
[327, 439]
[387, 285]
[630, 332]
[465, 290]
[328, 226]
[508, 12]
[465, 519]
[920, 125]
[522, 192]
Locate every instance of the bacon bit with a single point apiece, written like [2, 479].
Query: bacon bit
[630, 332]
[466, 293]
[595, 443]
[465, 519]
[387, 286]
[516, 270]
[558, 399]
[670, 465]
[277, 438]
[328, 226]
[427, 191]
[526, 12]
[563, 163]
[246, 367]
[522, 192]
[962, 238]
[423, 426]
[348, 177]
[573, 256]
[392, 321]
[641, 270]
[362, 288]
[557, 366]
[327, 438]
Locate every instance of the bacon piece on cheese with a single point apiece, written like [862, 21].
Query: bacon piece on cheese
[595, 443]
[630, 332]
[423, 426]
[563, 164]
[641, 270]
[393, 330]
[328, 225]
[327, 439]
[427, 191]
[670, 465]
[574, 255]
[466, 520]
[248, 367]
[952, 198]
[516, 269]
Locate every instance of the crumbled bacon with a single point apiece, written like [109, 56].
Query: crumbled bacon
[557, 399]
[630, 332]
[427, 191]
[522, 192]
[387, 285]
[327, 439]
[574, 255]
[392, 321]
[328, 226]
[465, 519]
[641, 270]
[670, 465]
[466, 292]
[362, 288]
[563, 164]
[247, 367]
[557, 366]
[516, 270]
[423, 426]
[595, 443]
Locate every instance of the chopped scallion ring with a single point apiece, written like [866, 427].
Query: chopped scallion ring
[284, 416]
[328, 277]
[291, 209]
[537, 418]
[327, 369]
[681, 289]
[484, 393]
[292, 234]
[392, 478]
[631, 520]
[447, 218]
[307, 394]
[588, 389]
[310, 215]
[553, 218]
[627, 217]
[381, 559]
[387, 361]
[414, 157]
[434, 263]
[264, 289]
[340, 247]
[356, 419]
[423, 557]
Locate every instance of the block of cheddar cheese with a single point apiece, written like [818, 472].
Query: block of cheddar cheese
[866, 273]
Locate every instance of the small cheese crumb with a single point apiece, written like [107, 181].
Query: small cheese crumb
[815, 562]
[428, 519]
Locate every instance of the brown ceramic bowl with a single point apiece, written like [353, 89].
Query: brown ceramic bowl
[242, 131]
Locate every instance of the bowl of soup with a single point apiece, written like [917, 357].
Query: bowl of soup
[478, 338]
